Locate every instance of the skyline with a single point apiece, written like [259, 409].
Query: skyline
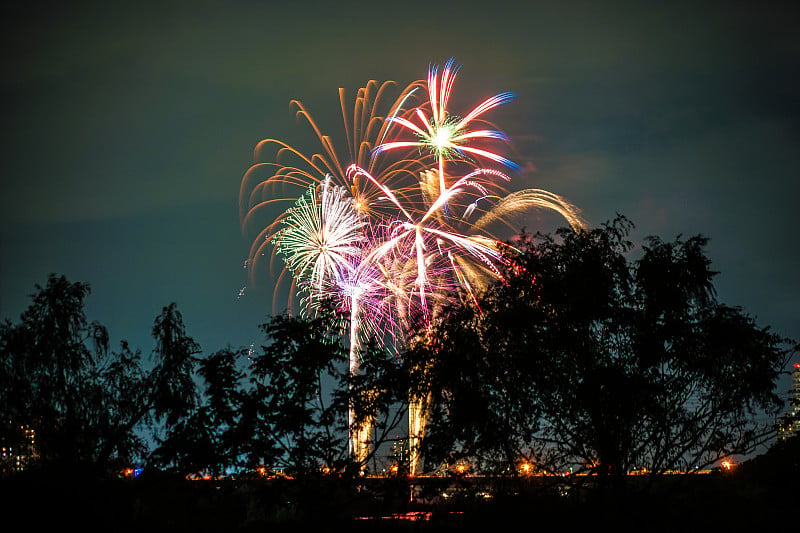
[127, 136]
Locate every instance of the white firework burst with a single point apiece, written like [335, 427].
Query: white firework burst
[322, 235]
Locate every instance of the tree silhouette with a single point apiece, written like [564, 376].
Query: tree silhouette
[184, 441]
[305, 426]
[205, 435]
[300, 389]
[587, 360]
[89, 407]
[60, 380]
[175, 392]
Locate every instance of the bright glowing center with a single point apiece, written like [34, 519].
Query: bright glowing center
[443, 137]
[322, 242]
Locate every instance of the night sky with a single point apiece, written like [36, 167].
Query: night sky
[126, 133]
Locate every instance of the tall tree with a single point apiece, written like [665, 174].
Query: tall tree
[60, 380]
[303, 424]
[590, 360]
[206, 437]
[175, 391]
[301, 391]
[182, 430]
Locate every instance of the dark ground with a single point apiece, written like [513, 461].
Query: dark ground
[760, 495]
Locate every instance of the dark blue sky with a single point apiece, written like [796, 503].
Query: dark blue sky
[126, 133]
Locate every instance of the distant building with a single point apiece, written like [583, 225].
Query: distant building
[790, 423]
[18, 453]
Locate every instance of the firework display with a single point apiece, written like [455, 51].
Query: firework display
[399, 228]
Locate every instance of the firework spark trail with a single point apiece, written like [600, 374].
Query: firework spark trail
[449, 138]
[320, 236]
[446, 135]
[390, 240]
[269, 187]
[417, 236]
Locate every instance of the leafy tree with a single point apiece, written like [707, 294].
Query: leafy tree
[303, 427]
[60, 380]
[183, 434]
[121, 391]
[175, 391]
[483, 407]
[224, 401]
[378, 393]
[206, 436]
[300, 390]
[89, 406]
[586, 359]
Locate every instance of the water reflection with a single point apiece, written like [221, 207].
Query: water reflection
[412, 516]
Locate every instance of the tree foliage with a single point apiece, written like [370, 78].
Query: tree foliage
[61, 381]
[301, 392]
[306, 428]
[590, 356]
[588, 360]
[285, 405]
[86, 406]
